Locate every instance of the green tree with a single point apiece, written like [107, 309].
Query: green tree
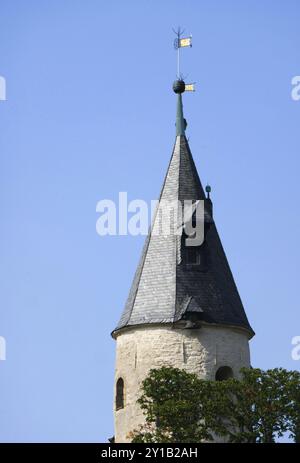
[172, 401]
[293, 412]
[259, 407]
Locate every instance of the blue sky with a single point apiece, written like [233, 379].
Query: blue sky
[90, 112]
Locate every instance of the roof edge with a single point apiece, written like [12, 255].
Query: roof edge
[117, 332]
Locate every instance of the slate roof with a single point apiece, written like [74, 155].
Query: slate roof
[164, 288]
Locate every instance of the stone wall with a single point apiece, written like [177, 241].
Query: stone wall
[201, 351]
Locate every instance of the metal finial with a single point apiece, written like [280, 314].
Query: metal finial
[179, 86]
[180, 42]
[208, 190]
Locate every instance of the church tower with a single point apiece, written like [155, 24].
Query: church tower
[183, 309]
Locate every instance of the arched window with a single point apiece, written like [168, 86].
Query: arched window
[120, 394]
[224, 373]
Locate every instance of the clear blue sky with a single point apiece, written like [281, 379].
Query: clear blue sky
[90, 112]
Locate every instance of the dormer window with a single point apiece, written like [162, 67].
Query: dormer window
[193, 255]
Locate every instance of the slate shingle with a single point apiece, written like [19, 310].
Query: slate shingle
[164, 289]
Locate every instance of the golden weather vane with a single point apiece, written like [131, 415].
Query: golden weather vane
[182, 42]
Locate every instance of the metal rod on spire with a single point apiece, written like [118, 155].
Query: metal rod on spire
[179, 85]
[181, 42]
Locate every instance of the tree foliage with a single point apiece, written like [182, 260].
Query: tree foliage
[173, 404]
[180, 407]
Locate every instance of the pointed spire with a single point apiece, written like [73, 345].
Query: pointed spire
[167, 288]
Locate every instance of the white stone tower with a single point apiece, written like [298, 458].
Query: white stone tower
[183, 308]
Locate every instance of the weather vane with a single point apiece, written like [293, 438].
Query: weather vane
[182, 42]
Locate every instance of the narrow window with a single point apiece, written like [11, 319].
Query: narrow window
[224, 373]
[120, 394]
[192, 255]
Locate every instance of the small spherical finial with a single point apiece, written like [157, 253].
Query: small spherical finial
[208, 190]
[179, 86]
